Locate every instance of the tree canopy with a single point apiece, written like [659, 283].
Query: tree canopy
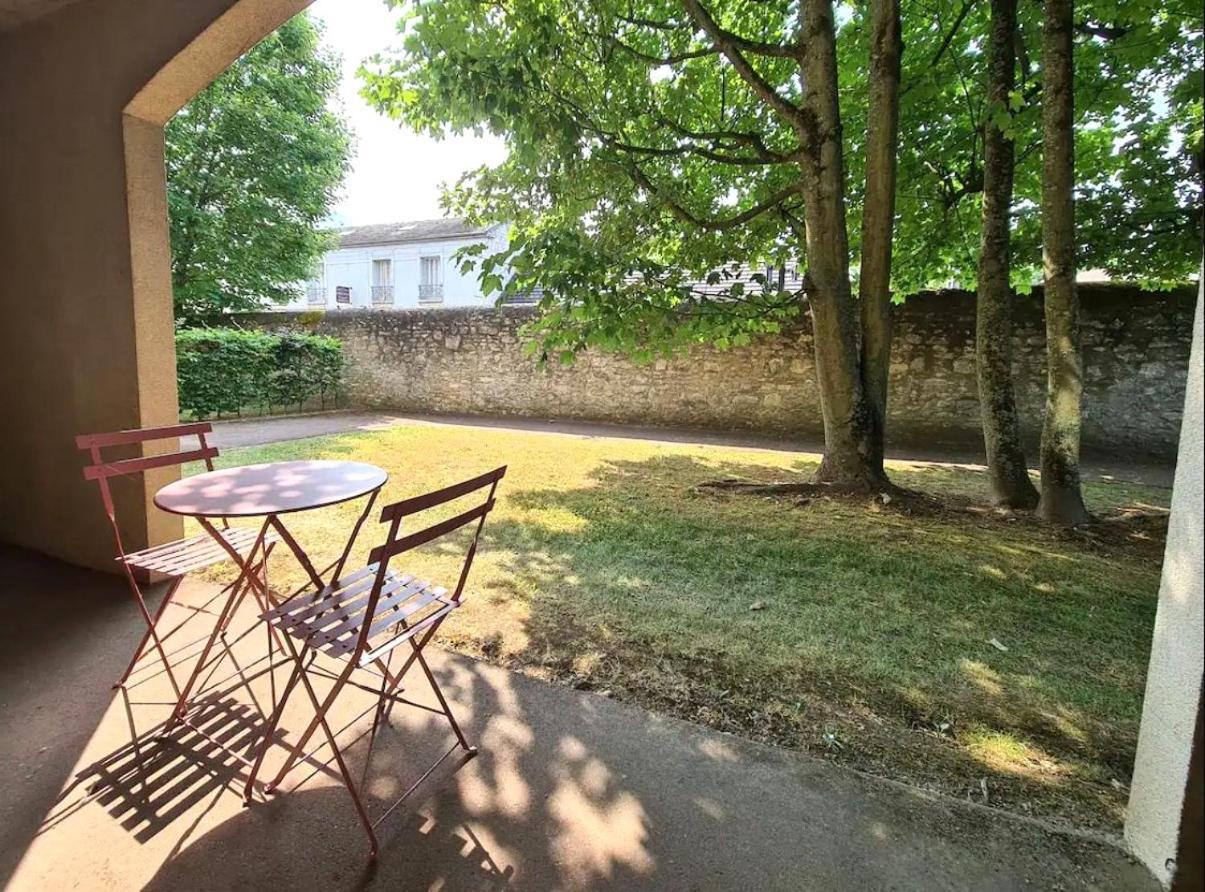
[641, 159]
[1138, 143]
[253, 166]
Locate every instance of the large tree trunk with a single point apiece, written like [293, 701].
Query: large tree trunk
[878, 213]
[850, 440]
[1062, 501]
[1007, 468]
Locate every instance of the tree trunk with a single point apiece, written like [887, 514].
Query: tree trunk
[878, 213]
[1007, 468]
[850, 440]
[1062, 501]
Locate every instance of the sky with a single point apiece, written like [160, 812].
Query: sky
[395, 173]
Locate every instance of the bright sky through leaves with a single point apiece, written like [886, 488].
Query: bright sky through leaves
[395, 173]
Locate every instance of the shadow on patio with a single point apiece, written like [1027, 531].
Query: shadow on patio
[571, 790]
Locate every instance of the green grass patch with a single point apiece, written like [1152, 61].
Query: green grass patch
[603, 566]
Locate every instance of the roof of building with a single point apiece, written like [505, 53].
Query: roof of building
[407, 231]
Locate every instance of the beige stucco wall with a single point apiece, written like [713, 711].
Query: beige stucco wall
[85, 292]
[1174, 676]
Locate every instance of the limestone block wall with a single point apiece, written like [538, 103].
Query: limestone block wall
[1136, 348]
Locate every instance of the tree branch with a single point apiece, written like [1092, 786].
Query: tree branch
[702, 152]
[952, 33]
[728, 43]
[752, 140]
[721, 35]
[655, 24]
[761, 47]
[1104, 32]
[672, 59]
[708, 224]
[797, 225]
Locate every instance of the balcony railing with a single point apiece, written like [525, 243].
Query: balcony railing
[382, 294]
[431, 294]
[315, 295]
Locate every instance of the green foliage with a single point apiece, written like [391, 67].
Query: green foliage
[640, 161]
[225, 370]
[615, 264]
[253, 166]
[1138, 140]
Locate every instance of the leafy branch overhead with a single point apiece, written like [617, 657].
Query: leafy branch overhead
[611, 180]
[653, 142]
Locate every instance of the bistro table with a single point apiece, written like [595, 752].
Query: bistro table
[268, 491]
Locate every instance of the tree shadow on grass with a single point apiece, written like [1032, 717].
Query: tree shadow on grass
[872, 638]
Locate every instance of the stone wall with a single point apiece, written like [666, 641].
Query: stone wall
[1136, 348]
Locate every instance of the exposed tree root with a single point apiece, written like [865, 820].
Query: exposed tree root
[1137, 527]
[884, 494]
[798, 488]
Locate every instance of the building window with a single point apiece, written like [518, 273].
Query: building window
[430, 280]
[315, 288]
[382, 281]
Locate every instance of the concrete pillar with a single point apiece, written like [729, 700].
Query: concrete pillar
[1169, 712]
[86, 342]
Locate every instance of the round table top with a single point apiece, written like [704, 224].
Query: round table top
[272, 488]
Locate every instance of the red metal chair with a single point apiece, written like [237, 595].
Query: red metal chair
[360, 619]
[173, 559]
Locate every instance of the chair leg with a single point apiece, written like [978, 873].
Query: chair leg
[146, 636]
[202, 661]
[373, 844]
[151, 632]
[299, 748]
[381, 711]
[271, 633]
[270, 730]
[389, 683]
[320, 710]
[443, 704]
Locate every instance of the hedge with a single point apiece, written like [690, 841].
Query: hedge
[225, 370]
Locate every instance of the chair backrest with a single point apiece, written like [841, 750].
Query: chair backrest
[102, 470]
[398, 541]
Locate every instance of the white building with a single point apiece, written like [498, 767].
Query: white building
[403, 265]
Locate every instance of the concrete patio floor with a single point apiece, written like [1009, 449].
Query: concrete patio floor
[571, 790]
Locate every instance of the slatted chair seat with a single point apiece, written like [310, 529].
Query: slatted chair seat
[196, 553]
[331, 620]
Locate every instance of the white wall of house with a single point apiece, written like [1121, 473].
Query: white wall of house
[411, 275]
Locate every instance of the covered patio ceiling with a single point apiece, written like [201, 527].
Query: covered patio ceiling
[18, 12]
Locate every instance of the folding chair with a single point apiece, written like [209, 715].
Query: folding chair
[360, 619]
[173, 559]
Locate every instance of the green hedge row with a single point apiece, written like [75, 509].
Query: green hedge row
[224, 371]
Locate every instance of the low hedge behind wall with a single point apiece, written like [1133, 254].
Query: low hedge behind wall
[225, 371]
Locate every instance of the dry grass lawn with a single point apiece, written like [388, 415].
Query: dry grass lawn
[963, 651]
